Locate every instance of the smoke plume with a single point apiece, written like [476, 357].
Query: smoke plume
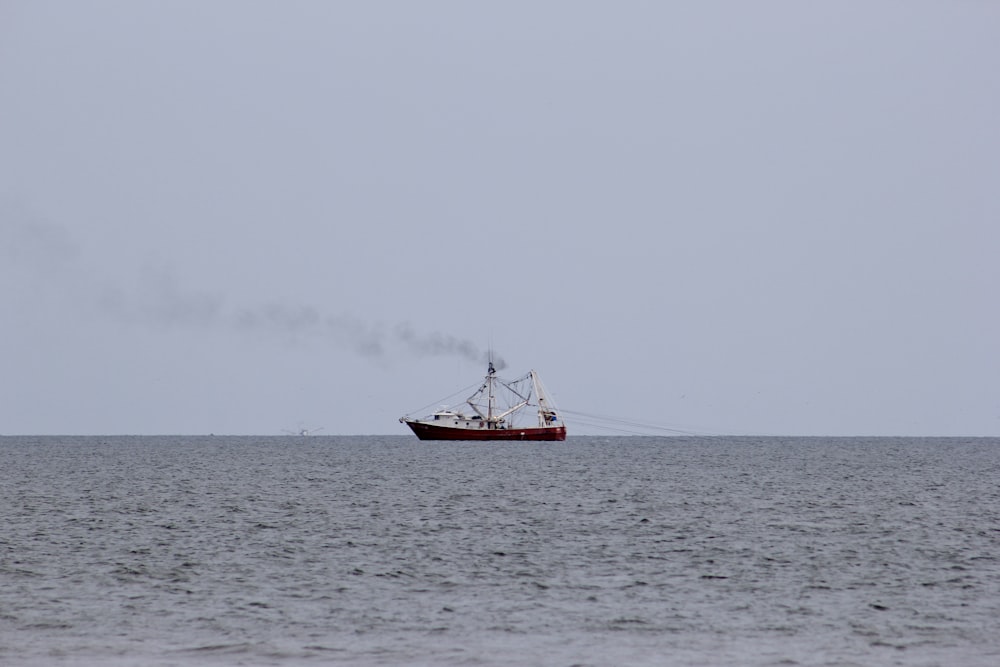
[46, 253]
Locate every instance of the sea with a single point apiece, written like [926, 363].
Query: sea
[597, 551]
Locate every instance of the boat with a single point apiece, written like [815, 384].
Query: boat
[519, 409]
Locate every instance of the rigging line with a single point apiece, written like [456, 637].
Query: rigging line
[626, 422]
[632, 432]
[441, 400]
[518, 379]
[619, 430]
[658, 427]
[514, 391]
[704, 432]
[612, 429]
[635, 424]
[620, 420]
[477, 392]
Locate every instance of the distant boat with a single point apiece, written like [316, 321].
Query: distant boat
[303, 431]
[499, 410]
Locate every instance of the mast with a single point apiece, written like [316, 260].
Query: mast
[547, 415]
[491, 404]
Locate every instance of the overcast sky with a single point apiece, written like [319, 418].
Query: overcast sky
[723, 217]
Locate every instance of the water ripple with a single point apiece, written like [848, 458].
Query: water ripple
[597, 551]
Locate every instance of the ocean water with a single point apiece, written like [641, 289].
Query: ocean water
[597, 551]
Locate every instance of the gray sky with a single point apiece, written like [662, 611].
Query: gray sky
[243, 217]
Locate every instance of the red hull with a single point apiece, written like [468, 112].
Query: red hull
[434, 432]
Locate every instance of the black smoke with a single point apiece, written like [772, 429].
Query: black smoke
[47, 253]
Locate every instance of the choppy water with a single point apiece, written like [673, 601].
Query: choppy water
[596, 551]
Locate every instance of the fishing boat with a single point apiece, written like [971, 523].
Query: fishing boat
[500, 409]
